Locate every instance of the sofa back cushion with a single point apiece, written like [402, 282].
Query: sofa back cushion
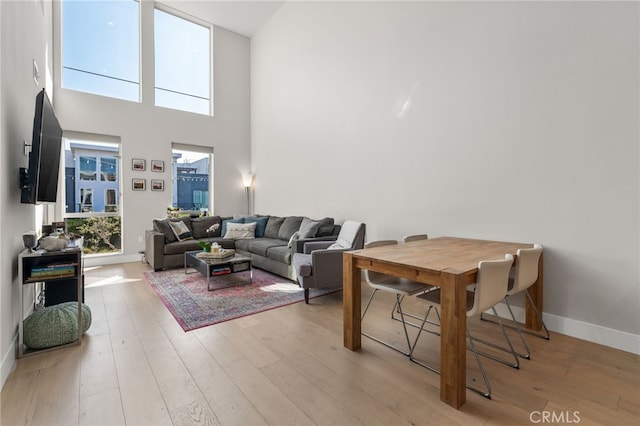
[325, 228]
[290, 225]
[273, 226]
[308, 228]
[200, 225]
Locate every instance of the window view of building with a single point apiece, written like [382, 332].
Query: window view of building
[101, 47]
[190, 175]
[92, 204]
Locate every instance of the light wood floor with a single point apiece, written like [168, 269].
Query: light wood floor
[288, 367]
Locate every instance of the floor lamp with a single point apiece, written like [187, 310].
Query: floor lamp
[247, 178]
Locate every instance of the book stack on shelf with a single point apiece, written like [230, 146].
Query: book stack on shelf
[54, 270]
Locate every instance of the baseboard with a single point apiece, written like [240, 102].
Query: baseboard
[616, 339]
[97, 260]
[8, 363]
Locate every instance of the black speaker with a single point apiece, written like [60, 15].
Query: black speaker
[61, 291]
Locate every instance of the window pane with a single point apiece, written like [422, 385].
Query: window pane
[191, 172]
[101, 48]
[87, 168]
[108, 169]
[182, 64]
[92, 206]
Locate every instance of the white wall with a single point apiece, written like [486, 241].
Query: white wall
[513, 121]
[25, 36]
[147, 131]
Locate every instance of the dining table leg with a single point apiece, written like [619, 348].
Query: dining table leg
[351, 299]
[453, 357]
[532, 321]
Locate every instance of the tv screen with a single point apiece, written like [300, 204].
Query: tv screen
[41, 183]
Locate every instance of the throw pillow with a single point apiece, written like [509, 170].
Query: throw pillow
[261, 224]
[308, 228]
[290, 225]
[181, 230]
[294, 237]
[240, 231]
[162, 225]
[225, 223]
[273, 227]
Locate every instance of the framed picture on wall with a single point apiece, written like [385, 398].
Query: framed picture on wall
[157, 166]
[157, 185]
[139, 164]
[138, 184]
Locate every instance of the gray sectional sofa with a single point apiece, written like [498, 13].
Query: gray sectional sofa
[274, 241]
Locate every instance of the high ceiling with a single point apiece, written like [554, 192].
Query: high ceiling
[241, 16]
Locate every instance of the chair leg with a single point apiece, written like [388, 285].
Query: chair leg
[546, 334]
[404, 326]
[526, 355]
[306, 296]
[486, 394]
[476, 354]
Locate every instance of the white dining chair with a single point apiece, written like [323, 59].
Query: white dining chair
[524, 275]
[400, 287]
[490, 289]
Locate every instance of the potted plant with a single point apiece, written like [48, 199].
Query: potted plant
[205, 245]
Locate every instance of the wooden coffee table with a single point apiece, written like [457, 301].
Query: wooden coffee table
[220, 273]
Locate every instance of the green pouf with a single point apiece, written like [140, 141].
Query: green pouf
[55, 325]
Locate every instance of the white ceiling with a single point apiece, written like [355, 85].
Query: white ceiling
[241, 16]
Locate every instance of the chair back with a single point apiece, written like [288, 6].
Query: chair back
[377, 277]
[491, 285]
[414, 237]
[526, 269]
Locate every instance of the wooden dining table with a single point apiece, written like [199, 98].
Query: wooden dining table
[448, 262]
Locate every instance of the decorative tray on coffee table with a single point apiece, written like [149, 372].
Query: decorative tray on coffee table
[221, 254]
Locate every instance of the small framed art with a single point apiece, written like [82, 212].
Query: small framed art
[157, 166]
[139, 164]
[138, 184]
[157, 185]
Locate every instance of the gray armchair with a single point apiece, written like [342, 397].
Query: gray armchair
[320, 264]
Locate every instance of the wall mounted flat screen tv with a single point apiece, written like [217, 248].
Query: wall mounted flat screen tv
[39, 182]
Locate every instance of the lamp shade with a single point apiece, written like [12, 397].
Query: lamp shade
[247, 178]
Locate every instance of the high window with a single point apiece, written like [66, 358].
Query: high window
[182, 63]
[192, 168]
[101, 47]
[93, 203]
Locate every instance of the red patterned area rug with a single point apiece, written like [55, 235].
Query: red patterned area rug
[193, 306]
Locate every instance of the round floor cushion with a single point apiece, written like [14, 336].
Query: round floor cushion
[55, 325]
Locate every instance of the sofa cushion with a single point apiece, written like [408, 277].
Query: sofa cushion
[179, 247]
[223, 231]
[241, 230]
[243, 245]
[261, 224]
[273, 227]
[290, 225]
[162, 225]
[181, 230]
[280, 253]
[308, 228]
[302, 264]
[325, 228]
[200, 225]
[260, 246]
